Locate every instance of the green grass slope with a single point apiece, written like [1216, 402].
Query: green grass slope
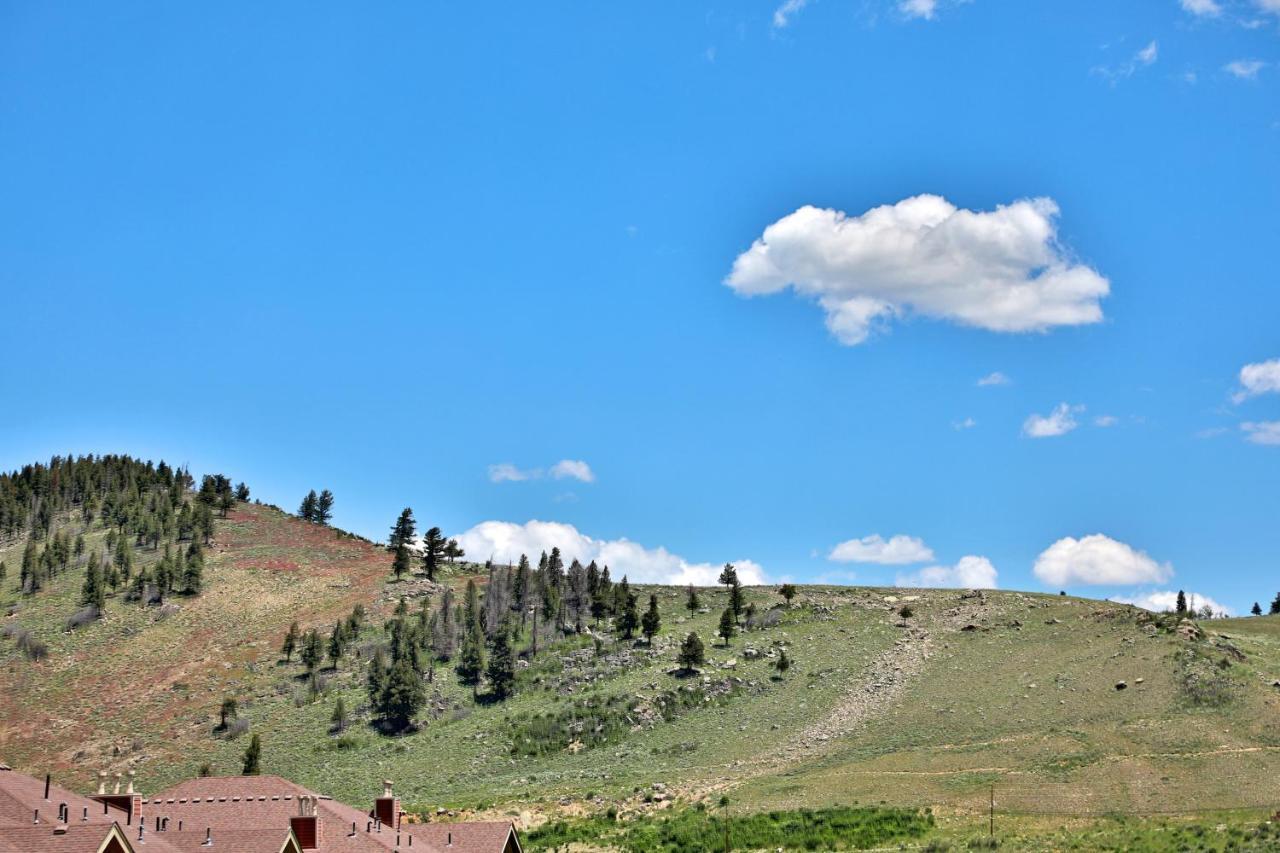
[1005, 689]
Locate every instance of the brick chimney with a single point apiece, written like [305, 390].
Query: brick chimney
[387, 807]
[306, 824]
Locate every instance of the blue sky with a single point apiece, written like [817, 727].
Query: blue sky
[382, 251]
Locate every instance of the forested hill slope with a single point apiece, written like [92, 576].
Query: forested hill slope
[532, 689]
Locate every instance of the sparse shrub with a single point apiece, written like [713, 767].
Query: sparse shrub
[906, 612]
[237, 727]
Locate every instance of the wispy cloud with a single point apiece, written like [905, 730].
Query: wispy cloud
[1262, 432]
[925, 9]
[994, 378]
[1105, 421]
[1143, 58]
[1202, 8]
[565, 469]
[967, 423]
[1244, 69]
[784, 13]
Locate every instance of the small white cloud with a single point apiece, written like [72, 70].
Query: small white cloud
[1105, 421]
[1097, 560]
[967, 423]
[1058, 422]
[573, 469]
[783, 14]
[1270, 6]
[896, 551]
[969, 572]
[995, 378]
[505, 541]
[1202, 8]
[1190, 77]
[1260, 378]
[1212, 432]
[1262, 432]
[505, 472]
[919, 8]
[1162, 601]
[1002, 270]
[1244, 69]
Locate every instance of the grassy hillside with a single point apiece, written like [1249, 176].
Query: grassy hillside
[1005, 689]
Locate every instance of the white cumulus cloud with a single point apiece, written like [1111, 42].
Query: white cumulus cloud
[1002, 270]
[1058, 422]
[1262, 432]
[919, 8]
[1245, 69]
[968, 572]
[894, 551]
[505, 541]
[573, 469]
[995, 378]
[1262, 377]
[1160, 601]
[1097, 560]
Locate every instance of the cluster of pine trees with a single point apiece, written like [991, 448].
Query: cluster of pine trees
[143, 507]
[317, 508]
[435, 548]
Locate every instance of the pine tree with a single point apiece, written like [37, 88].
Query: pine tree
[93, 593]
[124, 558]
[193, 573]
[337, 644]
[324, 507]
[1275, 605]
[242, 493]
[728, 575]
[290, 644]
[788, 592]
[1256, 611]
[629, 621]
[307, 511]
[312, 650]
[402, 696]
[225, 503]
[692, 654]
[253, 757]
[471, 656]
[1181, 607]
[651, 621]
[403, 531]
[692, 603]
[502, 666]
[376, 680]
[4, 570]
[339, 718]
[401, 564]
[728, 625]
[432, 549]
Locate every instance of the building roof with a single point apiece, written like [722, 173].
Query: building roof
[21, 795]
[238, 802]
[71, 838]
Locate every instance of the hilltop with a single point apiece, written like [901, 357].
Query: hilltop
[914, 698]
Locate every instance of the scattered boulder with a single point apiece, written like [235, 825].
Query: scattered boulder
[1120, 685]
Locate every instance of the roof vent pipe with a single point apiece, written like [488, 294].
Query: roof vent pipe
[47, 779]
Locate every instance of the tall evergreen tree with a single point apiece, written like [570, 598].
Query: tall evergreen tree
[1256, 611]
[471, 655]
[337, 644]
[324, 507]
[242, 493]
[1275, 605]
[651, 622]
[312, 650]
[1181, 606]
[253, 757]
[401, 564]
[432, 550]
[629, 621]
[307, 511]
[402, 695]
[502, 666]
[93, 593]
[403, 531]
[728, 625]
[339, 718]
